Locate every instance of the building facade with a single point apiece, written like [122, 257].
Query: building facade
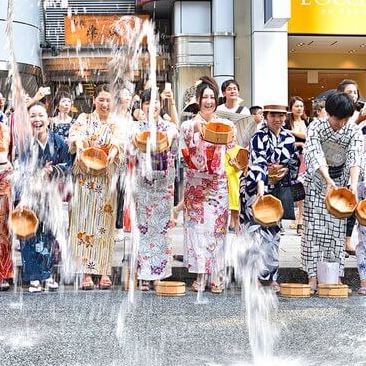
[274, 48]
[25, 35]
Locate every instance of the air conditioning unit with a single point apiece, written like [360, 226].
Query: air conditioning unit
[276, 13]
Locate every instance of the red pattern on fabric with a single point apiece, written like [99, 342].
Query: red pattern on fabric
[6, 264]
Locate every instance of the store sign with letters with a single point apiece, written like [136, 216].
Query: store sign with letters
[85, 30]
[342, 17]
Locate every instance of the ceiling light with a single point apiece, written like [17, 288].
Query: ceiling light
[292, 50]
[351, 51]
[300, 44]
[363, 45]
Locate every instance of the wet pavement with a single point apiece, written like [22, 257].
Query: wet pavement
[99, 328]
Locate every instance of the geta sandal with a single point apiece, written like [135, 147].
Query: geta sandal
[87, 284]
[196, 286]
[105, 283]
[145, 286]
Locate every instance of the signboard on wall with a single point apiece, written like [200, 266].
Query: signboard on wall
[341, 17]
[84, 30]
[143, 2]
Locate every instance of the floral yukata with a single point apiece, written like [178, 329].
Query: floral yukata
[40, 252]
[94, 202]
[361, 245]
[266, 148]
[324, 235]
[154, 202]
[6, 265]
[61, 128]
[206, 203]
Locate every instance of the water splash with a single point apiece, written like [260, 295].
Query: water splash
[260, 304]
[34, 190]
[125, 62]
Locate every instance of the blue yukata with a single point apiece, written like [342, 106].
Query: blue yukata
[266, 148]
[39, 253]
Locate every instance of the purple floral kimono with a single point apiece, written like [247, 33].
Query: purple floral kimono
[154, 202]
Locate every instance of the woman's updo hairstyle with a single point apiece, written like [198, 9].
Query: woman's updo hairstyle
[207, 82]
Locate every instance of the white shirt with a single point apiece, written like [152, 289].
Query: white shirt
[222, 107]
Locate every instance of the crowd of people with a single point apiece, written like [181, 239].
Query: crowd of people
[310, 155]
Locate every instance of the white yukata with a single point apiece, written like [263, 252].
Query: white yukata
[324, 235]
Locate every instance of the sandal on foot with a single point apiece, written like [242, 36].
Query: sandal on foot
[145, 286]
[299, 229]
[87, 284]
[51, 284]
[4, 285]
[216, 289]
[313, 291]
[35, 286]
[362, 291]
[275, 287]
[350, 252]
[105, 283]
[196, 286]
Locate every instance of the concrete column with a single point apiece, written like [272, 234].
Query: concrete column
[269, 60]
[26, 42]
[26, 30]
[243, 47]
[223, 35]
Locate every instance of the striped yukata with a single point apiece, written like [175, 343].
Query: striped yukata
[324, 235]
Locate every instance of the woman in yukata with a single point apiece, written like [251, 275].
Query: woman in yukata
[6, 264]
[358, 118]
[154, 197]
[50, 162]
[271, 144]
[333, 152]
[61, 123]
[94, 202]
[206, 194]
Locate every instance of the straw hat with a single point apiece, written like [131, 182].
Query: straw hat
[275, 108]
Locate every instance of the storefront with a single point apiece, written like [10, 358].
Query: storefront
[79, 49]
[326, 44]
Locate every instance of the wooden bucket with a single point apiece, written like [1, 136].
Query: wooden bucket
[242, 160]
[217, 133]
[94, 159]
[170, 288]
[361, 212]
[142, 139]
[341, 202]
[267, 210]
[23, 222]
[336, 290]
[294, 290]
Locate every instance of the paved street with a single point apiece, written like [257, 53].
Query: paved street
[80, 329]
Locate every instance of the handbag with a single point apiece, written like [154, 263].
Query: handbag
[284, 194]
[298, 191]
